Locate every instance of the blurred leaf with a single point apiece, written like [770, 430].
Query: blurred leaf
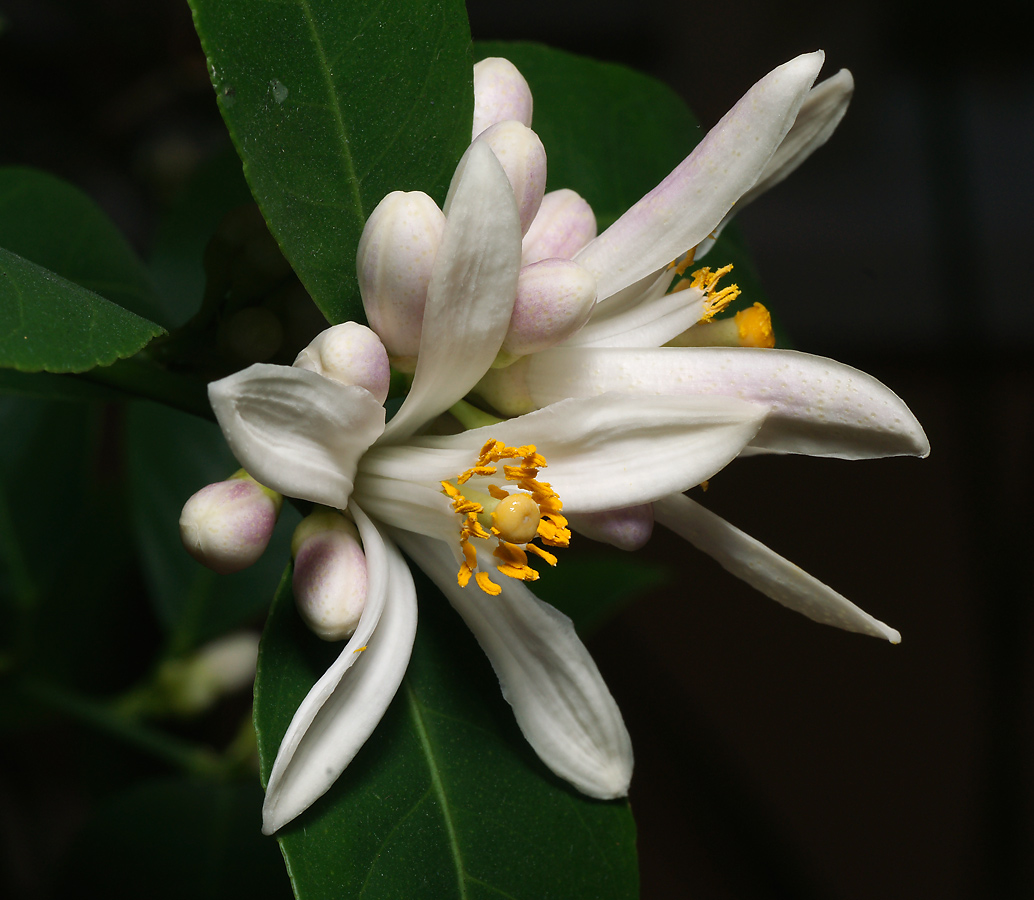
[67, 575]
[171, 456]
[446, 800]
[48, 323]
[332, 106]
[45, 386]
[173, 839]
[55, 225]
[177, 254]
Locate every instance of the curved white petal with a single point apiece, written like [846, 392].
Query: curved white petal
[558, 696]
[687, 206]
[817, 406]
[472, 290]
[339, 713]
[642, 315]
[764, 569]
[605, 452]
[295, 431]
[815, 123]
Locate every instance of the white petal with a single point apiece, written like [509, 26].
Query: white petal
[603, 453]
[295, 431]
[765, 570]
[340, 713]
[642, 315]
[686, 207]
[817, 406]
[815, 123]
[471, 294]
[558, 696]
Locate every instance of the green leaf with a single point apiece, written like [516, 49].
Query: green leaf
[610, 133]
[333, 105]
[48, 323]
[172, 839]
[56, 226]
[45, 386]
[446, 800]
[171, 456]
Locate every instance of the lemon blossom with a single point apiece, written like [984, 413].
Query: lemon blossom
[815, 406]
[312, 437]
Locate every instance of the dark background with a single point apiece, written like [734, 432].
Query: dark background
[775, 757]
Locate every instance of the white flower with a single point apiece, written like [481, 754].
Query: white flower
[317, 439]
[814, 406]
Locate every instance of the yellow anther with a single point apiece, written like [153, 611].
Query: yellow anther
[755, 327]
[517, 517]
[487, 585]
[706, 281]
[680, 266]
[359, 649]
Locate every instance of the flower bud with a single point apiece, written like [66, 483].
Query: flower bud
[523, 158]
[396, 254]
[227, 525]
[330, 579]
[563, 225]
[500, 93]
[352, 354]
[554, 300]
[192, 685]
[627, 529]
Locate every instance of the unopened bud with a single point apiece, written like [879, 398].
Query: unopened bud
[330, 580]
[554, 300]
[223, 667]
[394, 261]
[627, 529]
[506, 389]
[563, 225]
[523, 158]
[500, 93]
[352, 354]
[227, 525]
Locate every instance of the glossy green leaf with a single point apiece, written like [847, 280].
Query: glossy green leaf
[446, 800]
[55, 225]
[171, 456]
[333, 105]
[48, 323]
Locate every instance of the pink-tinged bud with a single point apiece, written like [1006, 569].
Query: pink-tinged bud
[227, 525]
[394, 261]
[352, 354]
[500, 94]
[523, 158]
[554, 300]
[627, 529]
[330, 580]
[563, 225]
[227, 665]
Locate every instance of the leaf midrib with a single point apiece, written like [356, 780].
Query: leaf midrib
[438, 787]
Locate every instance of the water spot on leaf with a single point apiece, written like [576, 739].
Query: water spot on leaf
[279, 91]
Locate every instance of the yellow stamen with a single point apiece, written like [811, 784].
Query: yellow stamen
[487, 585]
[517, 517]
[755, 327]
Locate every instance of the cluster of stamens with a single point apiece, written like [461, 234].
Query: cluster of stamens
[706, 281]
[517, 517]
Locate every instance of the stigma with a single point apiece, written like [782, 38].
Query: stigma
[513, 507]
